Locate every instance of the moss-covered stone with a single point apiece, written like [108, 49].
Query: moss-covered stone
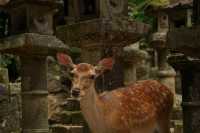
[71, 105]
[59, 128]
[77, 118]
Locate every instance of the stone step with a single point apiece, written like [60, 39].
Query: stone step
[59, 128]
[70, 105]
[68, 117]
[177, 126]
[177, 114]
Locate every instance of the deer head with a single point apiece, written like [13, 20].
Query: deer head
[84, 74]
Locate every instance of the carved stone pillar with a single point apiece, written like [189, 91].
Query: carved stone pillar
[34, 95]
[111, 8]
[33, 49]
[133, 57]
[166, 74]
[190, 72]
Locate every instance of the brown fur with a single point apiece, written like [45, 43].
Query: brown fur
[138, 104]
[83, 67]
[142, 107]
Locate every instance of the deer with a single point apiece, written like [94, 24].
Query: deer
[142, 107]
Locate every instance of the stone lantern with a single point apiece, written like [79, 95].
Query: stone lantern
[33, 16]
[183, 40]
[190, 73]
[31, 38]
[166, 74]
[133, 57]
[103, 35]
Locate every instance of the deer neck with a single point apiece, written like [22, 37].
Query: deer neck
[91, 107]
[90, 102]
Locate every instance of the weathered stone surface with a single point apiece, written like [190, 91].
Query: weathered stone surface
[71, 105]
[178, 126]
[61, 117]
[185, 40]
[159, 39]
[32, 44]
[90, 33]
[113, 8]
[67, 117]
[4, 76]
[37, 1]
[10, 110]
[59, 128]
[134, 54]
[167, 77]
[58, 79]
[54, 101]
[57, 86]
[133, 57]
[34, 94]
[77, 118]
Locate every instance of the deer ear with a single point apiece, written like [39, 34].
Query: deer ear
[104, 64]
[64, 59]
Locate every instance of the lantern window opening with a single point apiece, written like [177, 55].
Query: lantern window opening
[88, 9]
[4, 23]
[66, 9]
[180, 23]
[178, 19]
[196, 12]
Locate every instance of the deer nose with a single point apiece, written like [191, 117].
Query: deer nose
[75, 92]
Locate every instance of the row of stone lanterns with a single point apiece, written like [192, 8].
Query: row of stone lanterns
[183, 37]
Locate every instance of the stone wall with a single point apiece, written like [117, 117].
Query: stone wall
[10, 101]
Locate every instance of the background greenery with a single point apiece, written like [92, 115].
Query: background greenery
[137, 9]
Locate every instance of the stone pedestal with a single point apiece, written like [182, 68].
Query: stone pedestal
[166, 74]
[190, 71]
[130, 75]
[34, 95]
[33, 49]
[167, 77]
[133, 57]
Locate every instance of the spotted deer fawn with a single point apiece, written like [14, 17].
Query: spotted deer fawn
[142, 107]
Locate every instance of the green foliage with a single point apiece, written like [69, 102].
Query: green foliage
[5, 60]
[137, 9]
[159, 2]
[75, 52]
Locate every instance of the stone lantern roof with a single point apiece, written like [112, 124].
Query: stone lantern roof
[32, 44]
[173, 4]
[95, 33]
